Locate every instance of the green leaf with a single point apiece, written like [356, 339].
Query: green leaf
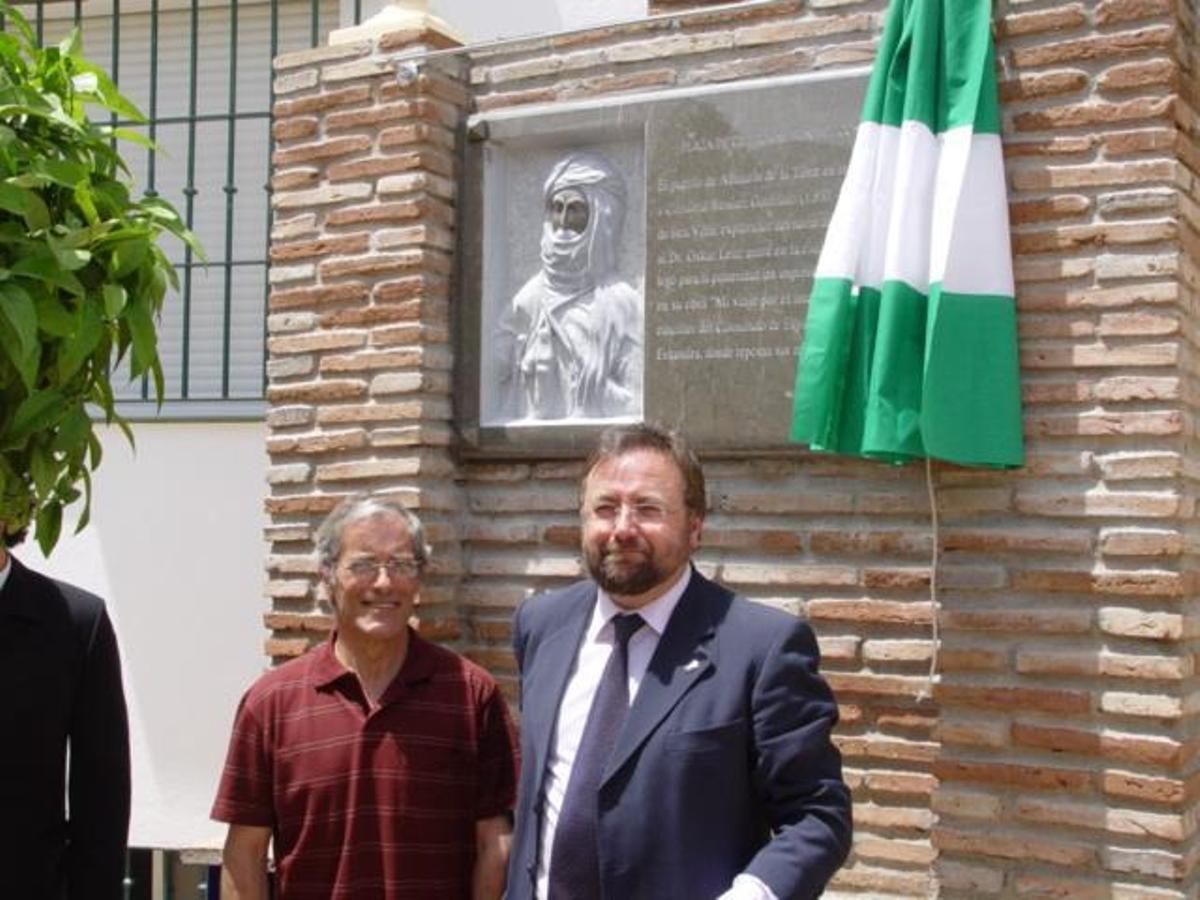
[54, 318]
[85, 515]
[91, 329]
[38, 412]
[145, 342]
[43, 470]
[73, 432]
[127, 256]
[72, 44]
[134, 137]
[95, 450]
[108, 94]
[48, 526]
[70, 258]
[87, 205]
[44, 266]
[18, 309]
[114, 300]
[62, 171]
[24, 203]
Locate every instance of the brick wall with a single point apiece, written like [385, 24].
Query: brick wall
[1057, 755]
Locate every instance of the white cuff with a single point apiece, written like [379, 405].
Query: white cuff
[748, 887]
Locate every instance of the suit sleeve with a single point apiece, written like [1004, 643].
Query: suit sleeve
[798, 771]
[99, 783]
[518, 638]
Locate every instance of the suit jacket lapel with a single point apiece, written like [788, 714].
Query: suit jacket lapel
[557, 652]
[684, 654]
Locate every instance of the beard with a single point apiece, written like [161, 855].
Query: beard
[620, 576]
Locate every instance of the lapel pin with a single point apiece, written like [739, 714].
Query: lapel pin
[692, 665]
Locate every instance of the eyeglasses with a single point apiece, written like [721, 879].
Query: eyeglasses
[397, 567]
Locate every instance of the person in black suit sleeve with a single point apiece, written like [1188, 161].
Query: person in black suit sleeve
[62, 700]
[722, 780]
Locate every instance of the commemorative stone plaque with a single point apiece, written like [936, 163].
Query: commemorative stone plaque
[650, 260]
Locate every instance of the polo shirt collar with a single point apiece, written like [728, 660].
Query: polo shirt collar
[419, 664]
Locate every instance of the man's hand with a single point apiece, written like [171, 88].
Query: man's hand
[493, 840]
[244, 863]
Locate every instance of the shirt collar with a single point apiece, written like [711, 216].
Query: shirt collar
[419, 663]
[656, 613]
[6, 571]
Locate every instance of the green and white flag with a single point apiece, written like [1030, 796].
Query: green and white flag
[910, 346]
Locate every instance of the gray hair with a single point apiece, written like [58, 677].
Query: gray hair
[365, 506]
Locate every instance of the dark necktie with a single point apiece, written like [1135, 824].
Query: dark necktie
[575, 854]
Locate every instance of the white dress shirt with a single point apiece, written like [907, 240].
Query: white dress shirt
[5, 570]
[590, 662]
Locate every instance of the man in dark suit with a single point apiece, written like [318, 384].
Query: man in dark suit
[61, 681]
[711, 774]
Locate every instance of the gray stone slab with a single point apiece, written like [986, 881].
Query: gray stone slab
[726, 194]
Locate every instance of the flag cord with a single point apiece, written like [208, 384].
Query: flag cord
[927, 691]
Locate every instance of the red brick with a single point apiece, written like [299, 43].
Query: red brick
[1147, 140]
[378, 166]
[338, 99]
[885, 612]
[1094, 113]
[1065, 207]
[294, 129]
[976, 659]
[317, 392]
[1147, 788]
[615, 84]
[994, 772]
[1094, 47]
[1112, 12]
[1057, 20]
[1138, 75]
[1059, 145]
[996, 540]
[1148, 750]
[1013, 699]
[321, 150]
[370, 117]
[490, 102]
[1029, 621]
[872, 543]
[1017, 847]
[1084, 237]
[424, 209]
[886, 749]
[848, 684]
[351, 243]
[305, 298]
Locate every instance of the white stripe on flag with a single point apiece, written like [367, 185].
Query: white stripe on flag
[971, 238]
[843, 245]
[912, 209]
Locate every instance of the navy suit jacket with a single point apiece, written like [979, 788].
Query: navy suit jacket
[724, 764]
[60, 685]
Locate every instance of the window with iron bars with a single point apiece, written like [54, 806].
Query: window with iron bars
[200, 70]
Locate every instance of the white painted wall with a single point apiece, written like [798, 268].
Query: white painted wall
[176, 549]
[489, 20]
[483, 21]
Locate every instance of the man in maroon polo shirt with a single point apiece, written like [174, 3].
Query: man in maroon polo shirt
[383, 766]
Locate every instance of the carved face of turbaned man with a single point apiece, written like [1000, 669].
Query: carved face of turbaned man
[571, 340]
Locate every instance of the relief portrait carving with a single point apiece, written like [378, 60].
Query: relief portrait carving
[569, 343]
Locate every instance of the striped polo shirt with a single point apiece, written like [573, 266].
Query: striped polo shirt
[371, 803]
